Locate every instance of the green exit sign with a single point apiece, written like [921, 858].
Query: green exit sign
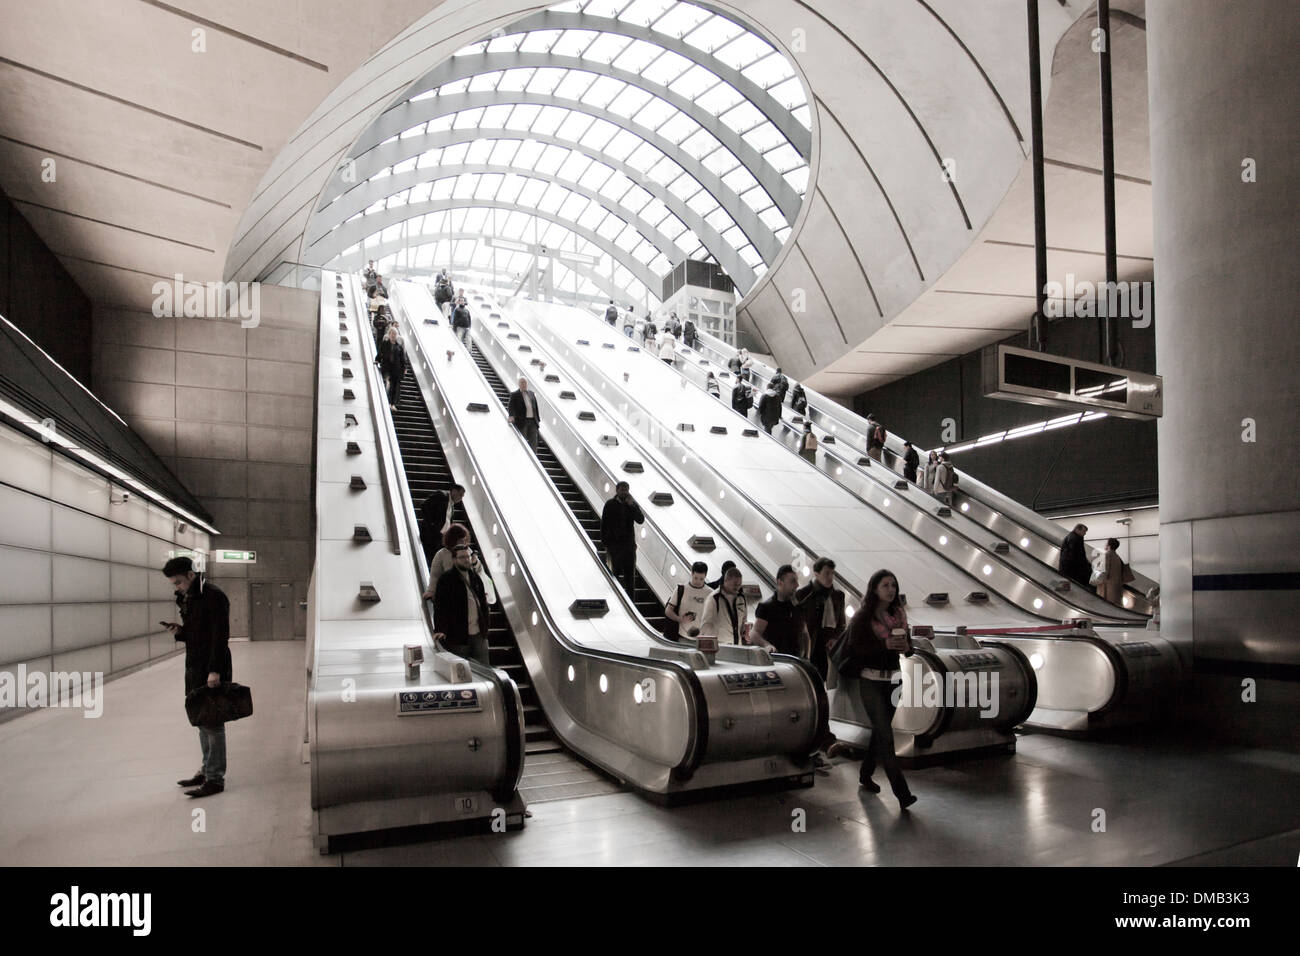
[236, 557]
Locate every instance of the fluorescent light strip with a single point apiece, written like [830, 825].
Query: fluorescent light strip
[63, 370]
[1065, 421]
[28, 420]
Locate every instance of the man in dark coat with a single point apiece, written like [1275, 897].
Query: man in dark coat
[911, 461]
[523, 412]
[461, 322]
[435, 517]
[618, 535]
[1074, 563]
[460, 607]
[779, 384]
[205, 629]
[742, 400]
[822, 606]
[392, 362]
[769, 410]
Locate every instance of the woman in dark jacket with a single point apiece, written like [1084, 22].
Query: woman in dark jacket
[798, 400]
[392, 362]
[878, 633]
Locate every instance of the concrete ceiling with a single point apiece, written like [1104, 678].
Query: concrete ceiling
[988, 293]
[210, 164]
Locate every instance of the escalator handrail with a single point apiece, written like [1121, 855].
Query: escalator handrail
[695, 699]
[506, 687]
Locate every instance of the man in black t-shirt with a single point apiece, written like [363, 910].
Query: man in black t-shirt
[778, 625]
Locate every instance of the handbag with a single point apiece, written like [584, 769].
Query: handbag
[206, 706]
[842, 659]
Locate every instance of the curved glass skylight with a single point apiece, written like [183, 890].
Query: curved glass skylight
[626, 134]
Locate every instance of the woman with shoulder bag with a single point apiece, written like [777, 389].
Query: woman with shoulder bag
[876, 636]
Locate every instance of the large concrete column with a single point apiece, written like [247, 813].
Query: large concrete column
[1224, 81]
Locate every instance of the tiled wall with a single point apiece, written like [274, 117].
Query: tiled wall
[230, 411]
[81, 587]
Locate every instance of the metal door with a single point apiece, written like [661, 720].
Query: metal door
[282, 613]
[260, 621]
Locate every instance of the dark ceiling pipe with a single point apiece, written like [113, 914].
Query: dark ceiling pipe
[1038, 324]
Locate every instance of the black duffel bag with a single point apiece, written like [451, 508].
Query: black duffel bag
[206, 706]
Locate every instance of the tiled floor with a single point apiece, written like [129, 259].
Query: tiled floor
[101, 792]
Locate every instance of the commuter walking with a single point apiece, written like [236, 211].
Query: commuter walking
[205, 629]
[379, 325]
[460, 606]
[711, 386]
[523, 413]
[667, 349]
[675, 324]
[1073, 562]
[877, 635]
[875, 438]
[798, 400]
[778, 625]
[746, 365]
[651, 333]
[945, 479]
[931, 468]
[822, 605]
[435, 519]
[618, 523]
[725, 612]
[442, 294]
[611, 314]
[911, 461]
[392, 362]
[461, 322]
[734, 365]
[445, 558]
[685, 609]
[808, 444]
[1111, 585]
[370, 274]
[688, 334]
[638, 331]
[629, 322]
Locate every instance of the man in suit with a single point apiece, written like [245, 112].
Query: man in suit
[523, 412]
[460, 606]
[822, 606]
[435, 518]
[205, 629]
[618, 535]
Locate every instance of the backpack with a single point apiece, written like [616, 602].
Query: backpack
[878, 436]
[611, 315]
[672, 628]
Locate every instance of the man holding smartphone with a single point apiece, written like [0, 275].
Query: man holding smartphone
[205, 629]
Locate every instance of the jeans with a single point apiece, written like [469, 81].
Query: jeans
[463, 335]
[477, 648]
[878, 700]
[212, 741]
[394, 389]
[623, 563]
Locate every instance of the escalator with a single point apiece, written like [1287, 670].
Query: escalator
[646, 601]
[550, 771]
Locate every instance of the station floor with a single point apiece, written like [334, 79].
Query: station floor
[101, 792]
